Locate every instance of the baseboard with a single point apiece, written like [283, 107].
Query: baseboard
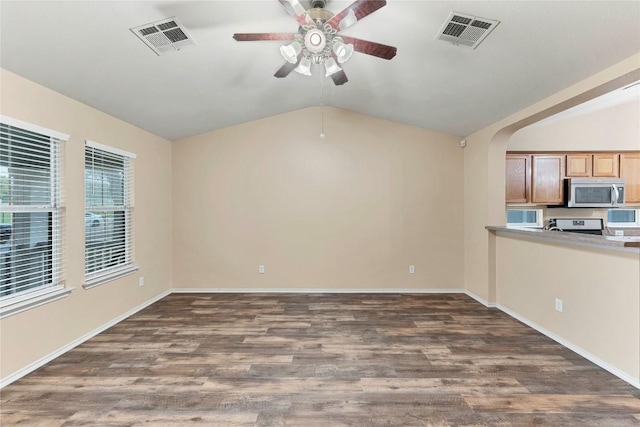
[312, 291]
[48, 358]
[590, 357]
[481, 300]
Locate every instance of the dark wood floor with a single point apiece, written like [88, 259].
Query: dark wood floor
[320, 360]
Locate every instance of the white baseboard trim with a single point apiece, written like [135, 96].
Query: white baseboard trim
[481, 300]
[590, 357]
[311, 291]
[49, 357]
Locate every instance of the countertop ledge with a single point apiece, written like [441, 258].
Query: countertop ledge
[621, 243]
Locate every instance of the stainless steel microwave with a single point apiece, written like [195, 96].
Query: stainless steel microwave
[594, 192]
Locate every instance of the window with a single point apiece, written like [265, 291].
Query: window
[108, 214]
[623, 218]
[30, 216]
[524, 217]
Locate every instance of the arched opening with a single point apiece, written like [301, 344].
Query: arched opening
[485, 171]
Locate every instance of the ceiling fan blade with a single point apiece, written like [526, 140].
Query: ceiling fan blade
[339, 78]
[250, 37]
[371, 48]
[354, 13]
[287, 68]
[295, 9]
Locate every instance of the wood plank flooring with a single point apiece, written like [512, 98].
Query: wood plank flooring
[320, 360]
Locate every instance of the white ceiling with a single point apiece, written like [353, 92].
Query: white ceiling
[84, 49]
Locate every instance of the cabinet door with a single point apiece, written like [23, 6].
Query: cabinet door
[606, 164]
[547, 174]
[517, 178]
[578, 165]
[630, 171]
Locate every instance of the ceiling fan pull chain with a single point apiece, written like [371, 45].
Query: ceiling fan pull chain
[321, 106]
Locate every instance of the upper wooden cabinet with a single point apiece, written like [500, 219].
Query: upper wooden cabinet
[517, 178]
[630, 171]
[579, 165]
[592, 165]
[547, 174]
[606, 165]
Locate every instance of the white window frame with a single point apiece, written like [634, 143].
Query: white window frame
[48, 292]
[624, 224]
[539, 216]
[109, 273]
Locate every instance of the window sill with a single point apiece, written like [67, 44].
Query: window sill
[32, 300]
[101, 279]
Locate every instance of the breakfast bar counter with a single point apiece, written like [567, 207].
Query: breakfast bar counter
[620, 243]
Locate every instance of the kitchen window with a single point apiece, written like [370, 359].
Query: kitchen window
[31, 244]
[108, 214]
[524, 218]
[623, 218]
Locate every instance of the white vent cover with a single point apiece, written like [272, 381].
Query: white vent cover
[466, 30]
[164, 36]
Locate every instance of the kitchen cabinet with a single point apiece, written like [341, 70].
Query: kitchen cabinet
[579, 165]
[606, 165]
[630, 171]
[518, 176]
[547, 174]
[538, 177]
[587, 165]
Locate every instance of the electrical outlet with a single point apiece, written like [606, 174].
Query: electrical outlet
[261, 269]
[618, 232]
[559, 305]
[141, 281]
[412, 269]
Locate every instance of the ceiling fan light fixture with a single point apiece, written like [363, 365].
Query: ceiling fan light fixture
[315, 41]
[291, 51]
[304, 67]
[343, 51]
[331, 67]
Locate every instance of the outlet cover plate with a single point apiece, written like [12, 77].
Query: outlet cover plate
[559, 305]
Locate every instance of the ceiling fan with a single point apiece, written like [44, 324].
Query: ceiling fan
[317, 41]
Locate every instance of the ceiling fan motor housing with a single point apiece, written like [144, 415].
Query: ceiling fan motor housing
[318, 4]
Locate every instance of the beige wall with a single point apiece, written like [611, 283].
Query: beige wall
[600, 291]
[352, 211]
[31, 335]
[612, 128]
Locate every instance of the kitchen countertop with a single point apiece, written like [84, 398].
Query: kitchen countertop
[620, 243]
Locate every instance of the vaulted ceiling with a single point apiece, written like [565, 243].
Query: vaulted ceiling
[85, 50]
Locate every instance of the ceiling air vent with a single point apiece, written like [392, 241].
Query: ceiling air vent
[466, 30]
[164, 36]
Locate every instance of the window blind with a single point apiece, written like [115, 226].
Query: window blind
[31, 238]
[108, 211]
